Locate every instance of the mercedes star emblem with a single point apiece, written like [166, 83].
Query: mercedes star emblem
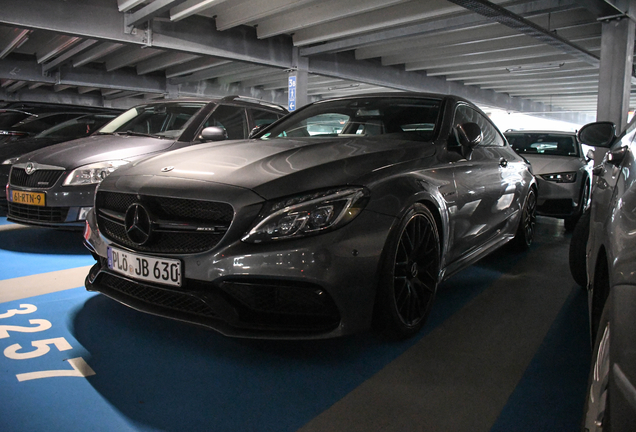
[30, 168]
[138, 224]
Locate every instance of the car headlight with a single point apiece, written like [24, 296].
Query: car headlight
[567, 177]
[10, 161]
[93, 173]
[309, 214]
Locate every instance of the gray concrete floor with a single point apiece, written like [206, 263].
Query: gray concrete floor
[460, 376]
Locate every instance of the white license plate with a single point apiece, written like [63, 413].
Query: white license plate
[165, 271]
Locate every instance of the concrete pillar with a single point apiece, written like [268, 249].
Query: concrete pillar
[615, 73]
[298, 80]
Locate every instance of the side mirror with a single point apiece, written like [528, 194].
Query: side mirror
[598, 134]
[590, 155]
[213, 133]
[469, 136]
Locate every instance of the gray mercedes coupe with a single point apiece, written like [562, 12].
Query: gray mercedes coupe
[342, 216]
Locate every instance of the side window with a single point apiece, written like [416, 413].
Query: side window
[230, 118]
[492, 137]
[262, 117]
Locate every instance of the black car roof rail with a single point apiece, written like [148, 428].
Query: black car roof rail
[13, 110]
[251, 99]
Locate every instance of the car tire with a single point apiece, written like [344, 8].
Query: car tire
[596, 414]
[578, 246]
[571, 222]
[525, 231]
[409, 274]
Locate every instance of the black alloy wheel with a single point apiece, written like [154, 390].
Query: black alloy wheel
[410, 274]
[525, 232]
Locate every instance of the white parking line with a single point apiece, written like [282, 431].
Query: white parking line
[43, 283]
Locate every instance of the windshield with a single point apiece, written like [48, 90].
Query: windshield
[543, 144]
[396, 117]
[165, 120]
[9, 118]
[78, 127]
[38, 123]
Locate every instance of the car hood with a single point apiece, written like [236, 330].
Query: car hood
[553, 164]
[281, 167]
[17, 148]
[96, 148]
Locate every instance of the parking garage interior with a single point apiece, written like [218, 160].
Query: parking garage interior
[507, 345]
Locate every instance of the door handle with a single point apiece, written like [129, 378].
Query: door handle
[503, 163]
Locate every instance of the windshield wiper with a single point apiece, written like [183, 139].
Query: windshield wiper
[133, 133]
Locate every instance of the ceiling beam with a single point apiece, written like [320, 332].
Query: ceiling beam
[242, 12]
[164, 61]
[55, 46]
[126, 5]
[101, 50]
[146, 13]
[193, 66]
[192, 7]
[13, 41]
[83, 77]
[505, 17]
[101, 20]
[68, 54]
[129, 56]
[317, 13]
[458, 21]
[344, 66]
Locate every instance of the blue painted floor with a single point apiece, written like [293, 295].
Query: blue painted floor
[139, 372]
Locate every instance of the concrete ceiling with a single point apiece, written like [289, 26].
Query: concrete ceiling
[536, 56]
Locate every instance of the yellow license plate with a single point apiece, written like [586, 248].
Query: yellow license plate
[29, 198]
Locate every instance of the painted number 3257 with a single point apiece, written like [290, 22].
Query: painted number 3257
[40, 347]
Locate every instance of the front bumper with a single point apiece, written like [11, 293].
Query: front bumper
[317, 287]
[65, 207]
[558, 199]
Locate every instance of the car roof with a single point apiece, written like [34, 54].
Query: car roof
[233, 99]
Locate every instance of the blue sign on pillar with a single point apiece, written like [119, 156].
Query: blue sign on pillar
[292, 93]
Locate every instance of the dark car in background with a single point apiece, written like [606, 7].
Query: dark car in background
[563, 170]
[71, 129]
[19, 120]
[611, 280]
[345, 214]
[55, 186]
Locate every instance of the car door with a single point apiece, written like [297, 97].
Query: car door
[483, 201]
[611, 180]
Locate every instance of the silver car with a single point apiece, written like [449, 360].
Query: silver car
[563, 170]
[611, 280]
[344, 214]
[55, 186]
